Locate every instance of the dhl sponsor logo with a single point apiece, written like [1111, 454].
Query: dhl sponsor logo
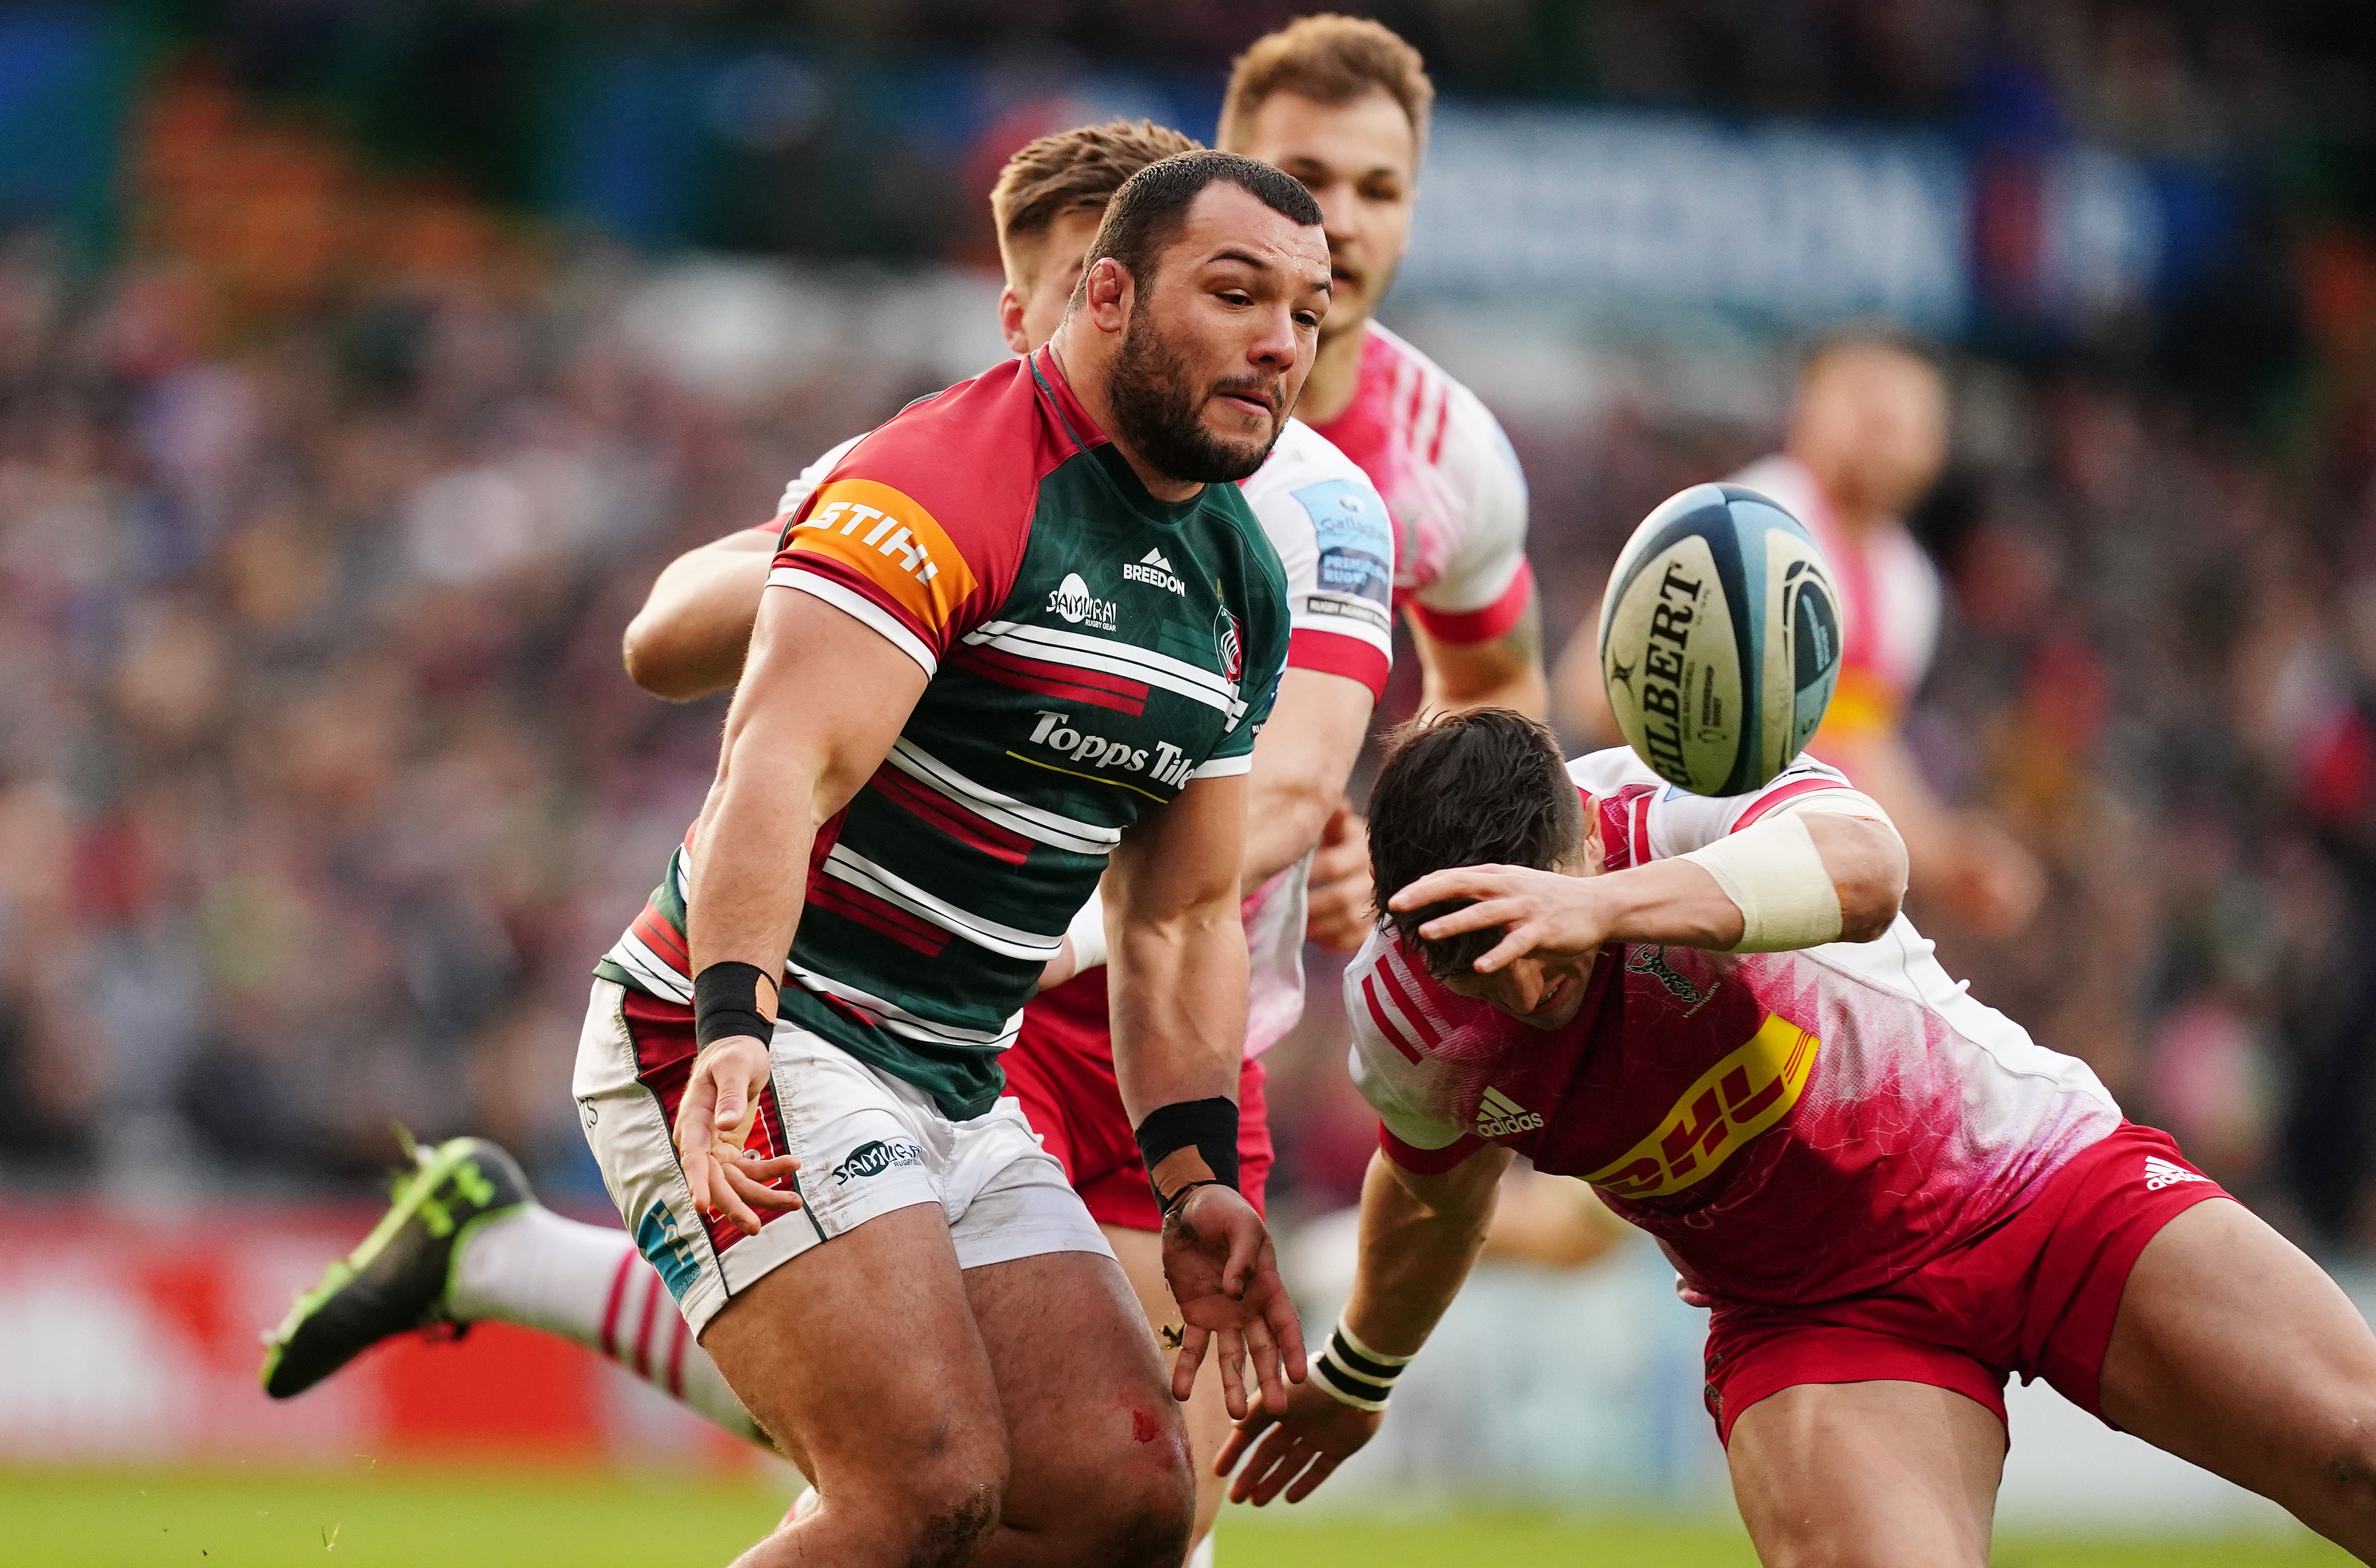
[1731, 1103]
[890, 539]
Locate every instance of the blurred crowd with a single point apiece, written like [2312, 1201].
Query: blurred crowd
[321, 787]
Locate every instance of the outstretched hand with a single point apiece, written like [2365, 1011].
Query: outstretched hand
[1303, 1446]
[1544, 914]
[714, 1121]
[1223, 1272]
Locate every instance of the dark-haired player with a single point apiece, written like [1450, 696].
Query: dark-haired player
[1889, 1196]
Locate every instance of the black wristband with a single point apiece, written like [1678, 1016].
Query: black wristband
[730, 999]
[1210, 1125]
[1179, 1194]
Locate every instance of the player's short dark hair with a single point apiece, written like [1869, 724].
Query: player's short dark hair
[1151, 208]
[1487, 786]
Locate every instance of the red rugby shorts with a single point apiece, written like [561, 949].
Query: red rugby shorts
[2036, 1296]
[1062, 1068]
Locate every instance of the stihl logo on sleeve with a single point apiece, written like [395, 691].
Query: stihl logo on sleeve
[1733, 1101]
[890, 539]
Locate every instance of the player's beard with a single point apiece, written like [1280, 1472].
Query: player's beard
[1158, 410]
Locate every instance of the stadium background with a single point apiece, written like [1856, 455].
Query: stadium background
[360, 364]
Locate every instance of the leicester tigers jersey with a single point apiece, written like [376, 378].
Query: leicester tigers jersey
[1089, 650]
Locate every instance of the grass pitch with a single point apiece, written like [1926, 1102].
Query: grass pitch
[244, 1519]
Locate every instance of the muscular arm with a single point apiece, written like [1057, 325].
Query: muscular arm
[795, 751]
[1421, 1235]
[1506, 671]
[1177, 970]
[1551, 914]
[1300, 762]
[1177, 981]
[690, 638]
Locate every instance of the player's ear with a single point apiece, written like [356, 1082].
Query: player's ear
[1010, 318]
[1105, 294]
[1591, 858]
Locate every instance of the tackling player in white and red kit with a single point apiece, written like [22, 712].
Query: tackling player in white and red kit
[1890, 1196]
[1342, 104]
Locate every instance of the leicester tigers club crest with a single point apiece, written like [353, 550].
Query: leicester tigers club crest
[1229, 643]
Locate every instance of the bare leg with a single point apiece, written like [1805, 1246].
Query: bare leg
[1141, 1252]
[1099, 1459]
[2234, 1350]
[1868, 1475]
[862, 1358]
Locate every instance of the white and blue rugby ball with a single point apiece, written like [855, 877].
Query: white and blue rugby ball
[1719, 639]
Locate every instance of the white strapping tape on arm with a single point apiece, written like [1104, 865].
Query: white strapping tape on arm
[1774, 872]
[1087, 932]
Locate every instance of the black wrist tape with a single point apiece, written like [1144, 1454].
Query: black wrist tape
[1211, 1126]
[731, 999]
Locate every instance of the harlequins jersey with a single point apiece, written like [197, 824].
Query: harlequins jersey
[1089, 650]
[1792, 1127]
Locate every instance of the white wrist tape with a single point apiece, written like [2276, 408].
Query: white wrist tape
[1087, 932]
[1773, 872]
[1351, 1374]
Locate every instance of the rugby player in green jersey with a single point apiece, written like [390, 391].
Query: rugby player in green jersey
[851, 1220]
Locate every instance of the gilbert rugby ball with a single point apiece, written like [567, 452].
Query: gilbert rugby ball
[1719, 639]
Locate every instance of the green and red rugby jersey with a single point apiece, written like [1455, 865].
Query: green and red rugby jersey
[1089, 650]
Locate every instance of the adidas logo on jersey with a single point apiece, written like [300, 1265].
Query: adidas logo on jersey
[1156, 571]
[2160, 1173]
[1499, 1116]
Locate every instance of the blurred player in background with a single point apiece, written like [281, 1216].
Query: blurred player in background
[1889, 1196]
[1867, 439]
[1336, 544]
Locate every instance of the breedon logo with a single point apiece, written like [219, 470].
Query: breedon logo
[1072, 601]
[1154, 571]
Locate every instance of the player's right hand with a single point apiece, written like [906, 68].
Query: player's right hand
[1297, 1450]
[1544, 914]
[713, 1123]
[1223, 1272]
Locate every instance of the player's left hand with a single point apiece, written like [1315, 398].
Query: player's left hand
[1303, 1447]
[1545, 913]
[1223, 1272]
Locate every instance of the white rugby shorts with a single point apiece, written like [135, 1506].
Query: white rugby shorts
[868, 1143]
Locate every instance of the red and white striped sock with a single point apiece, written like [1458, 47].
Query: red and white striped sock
[588, 1284]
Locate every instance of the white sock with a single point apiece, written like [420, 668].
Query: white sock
[1203, 1556]
[588, 1283]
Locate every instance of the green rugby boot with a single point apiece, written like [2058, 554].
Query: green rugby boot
[396, 1279]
